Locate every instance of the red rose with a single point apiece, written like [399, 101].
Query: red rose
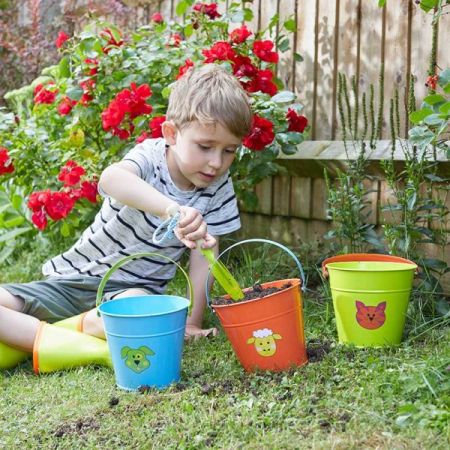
[220, 51]
[175, 39]
[66, 106]
[62, 37]
[296, 121]
[143, 136]
[243, 67]
[59, 205]
[6, 165]
[183, 69]
[260, 135]
[112, 42]
[209, 10]
[127, 105]
[89, 191]
[71, 173]
[240, 35]
[38, 200]
[157, 18]
[43, 95]
[262, 49]
[155, 126]
[92, 63]
[39, 219]
[262, 82]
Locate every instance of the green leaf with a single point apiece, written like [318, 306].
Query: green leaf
[237, 17]
[6, 252]
[284, 45]
[444, 77]
[433, 99]
[433, 120]
[74, 93]
[298, 57]
[289, 149]
[16, 201]
[284, 97]
[428, 5]
[14, 222]
[445, 108]
[188, 30]
[64, 68]
[181, 8]
[432, 263]
[14, 233]
[248, 14]
[417, 116]
[290, 25]
[65, 229]
[381, 3]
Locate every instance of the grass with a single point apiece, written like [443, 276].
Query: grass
[345, 398]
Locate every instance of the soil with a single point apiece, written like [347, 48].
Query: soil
[255, 293]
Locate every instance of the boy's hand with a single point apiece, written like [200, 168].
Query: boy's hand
[195, 332]
[192, 227]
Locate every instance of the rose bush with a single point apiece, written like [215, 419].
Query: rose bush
[109, 91]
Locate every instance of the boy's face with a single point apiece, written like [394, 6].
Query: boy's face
[199, 154]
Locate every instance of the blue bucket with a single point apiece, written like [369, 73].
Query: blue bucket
[145, 334]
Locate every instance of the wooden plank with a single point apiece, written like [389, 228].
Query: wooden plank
[324, 83]
[263, 191]
[267, 10]
[370, 52]
[319, 197]
[347, 53]
[316, 230]
[396, 62]
[305, 44]
[421, 39]
[254, 23]
[300, 204]
[281, 195]
[285, 66]
[443, 55]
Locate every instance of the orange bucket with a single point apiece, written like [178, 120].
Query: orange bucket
[267, 333]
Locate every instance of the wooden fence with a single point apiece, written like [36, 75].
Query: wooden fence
[354, 37]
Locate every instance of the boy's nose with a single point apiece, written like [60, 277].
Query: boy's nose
[216, 161]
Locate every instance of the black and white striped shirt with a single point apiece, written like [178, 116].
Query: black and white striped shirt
[120, 230]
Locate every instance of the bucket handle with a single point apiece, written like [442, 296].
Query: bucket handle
[264, 241]
[123, 261]
[349, 257]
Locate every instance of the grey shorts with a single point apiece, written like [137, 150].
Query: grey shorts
[57, 298]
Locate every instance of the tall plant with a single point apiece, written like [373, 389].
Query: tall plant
[348, 203]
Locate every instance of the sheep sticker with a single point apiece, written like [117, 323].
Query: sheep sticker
[264, 341]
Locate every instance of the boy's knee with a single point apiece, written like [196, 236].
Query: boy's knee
[131, 293]
[10, 301]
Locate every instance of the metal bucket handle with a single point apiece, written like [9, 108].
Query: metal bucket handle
[355, 257]
[264, 241]
[124, 260]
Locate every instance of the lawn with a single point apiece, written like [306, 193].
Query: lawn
[344, 398]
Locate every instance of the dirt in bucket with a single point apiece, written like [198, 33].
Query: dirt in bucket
[254, 293]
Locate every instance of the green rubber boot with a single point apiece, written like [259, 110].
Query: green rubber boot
[56, 348]
[74, 323]
[10, 357]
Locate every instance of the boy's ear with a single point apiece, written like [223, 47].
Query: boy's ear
[169, 131]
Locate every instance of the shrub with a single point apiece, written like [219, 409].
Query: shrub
[110, 90]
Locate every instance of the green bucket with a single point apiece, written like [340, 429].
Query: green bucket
[370, 300]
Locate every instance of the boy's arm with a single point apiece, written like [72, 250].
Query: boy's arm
[122, 182]
[198, 271]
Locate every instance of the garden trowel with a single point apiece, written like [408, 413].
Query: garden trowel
[222, 274]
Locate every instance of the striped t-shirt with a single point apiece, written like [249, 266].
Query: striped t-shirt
[119, 230]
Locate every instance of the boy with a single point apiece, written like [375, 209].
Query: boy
[187, 170]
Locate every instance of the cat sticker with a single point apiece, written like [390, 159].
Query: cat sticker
[370, 317]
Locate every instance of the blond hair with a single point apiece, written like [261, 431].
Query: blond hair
[209, 94]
